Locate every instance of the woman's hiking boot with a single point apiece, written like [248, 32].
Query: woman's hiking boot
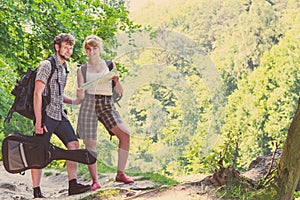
[95, 186]
[123, 178]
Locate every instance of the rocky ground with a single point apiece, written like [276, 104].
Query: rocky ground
[54, 186]
[17, 186]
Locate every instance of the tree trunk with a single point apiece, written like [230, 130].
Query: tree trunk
[288, 173]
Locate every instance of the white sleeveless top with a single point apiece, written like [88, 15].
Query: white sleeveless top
[99, 88]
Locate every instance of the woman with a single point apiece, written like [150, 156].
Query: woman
[98, 105]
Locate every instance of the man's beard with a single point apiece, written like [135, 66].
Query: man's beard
[63, 57]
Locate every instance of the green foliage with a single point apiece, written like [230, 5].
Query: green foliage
[18, 123]
[155, 177]
[166, 117]
[4, 89]
[266, 193]
[254, 44]
[27, 30]
[297, 195]
[238, 35]
[104, 194]
[272, 93]
[255, 30]
[29, 27]
[102, 169]
[234, 192]
[152, 176]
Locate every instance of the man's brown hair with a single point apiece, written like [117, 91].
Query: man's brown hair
[64, 37]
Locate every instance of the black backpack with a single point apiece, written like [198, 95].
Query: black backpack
[21, 152]
[23, 92]
[116, 97]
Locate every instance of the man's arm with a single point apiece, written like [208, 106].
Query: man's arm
[39, 88]
[67, 99]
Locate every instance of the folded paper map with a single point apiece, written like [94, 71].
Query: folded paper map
[100, 79]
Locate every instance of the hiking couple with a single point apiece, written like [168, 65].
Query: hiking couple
[96, 105]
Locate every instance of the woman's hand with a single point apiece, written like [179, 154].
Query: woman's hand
[79, 97]
[80, 93]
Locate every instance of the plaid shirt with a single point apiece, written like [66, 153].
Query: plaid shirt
[55, 109]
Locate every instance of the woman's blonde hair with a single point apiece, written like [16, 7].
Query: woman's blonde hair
[94, 41]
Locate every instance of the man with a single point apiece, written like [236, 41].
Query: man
[55, 120]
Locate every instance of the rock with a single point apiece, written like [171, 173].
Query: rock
[259, 167]
[8, 186]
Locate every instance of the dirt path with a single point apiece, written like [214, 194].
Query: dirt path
[18, 187]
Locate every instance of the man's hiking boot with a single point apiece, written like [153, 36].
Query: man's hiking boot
[39, 196]
[123, 178]
[37, 193]
[78, 188]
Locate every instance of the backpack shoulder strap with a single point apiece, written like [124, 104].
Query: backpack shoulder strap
[53, 66]
[109, 64]
[83, 68]
[83, 71]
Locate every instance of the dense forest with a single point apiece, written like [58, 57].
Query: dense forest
[255, 47]
[204, 81]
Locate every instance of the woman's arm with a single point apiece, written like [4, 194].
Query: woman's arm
[79, 91]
